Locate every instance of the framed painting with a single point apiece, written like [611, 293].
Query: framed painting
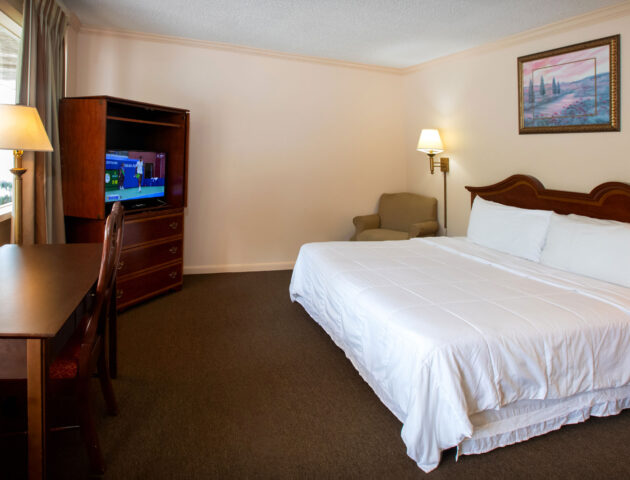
[570, 89]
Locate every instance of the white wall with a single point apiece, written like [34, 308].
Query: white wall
[282, 151]
[472, 98]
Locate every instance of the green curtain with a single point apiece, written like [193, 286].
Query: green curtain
[40, 84]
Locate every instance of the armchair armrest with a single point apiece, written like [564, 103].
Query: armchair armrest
[423, 229]
[365, 222]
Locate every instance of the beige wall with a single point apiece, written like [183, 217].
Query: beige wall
[472, 99]
[282, 151]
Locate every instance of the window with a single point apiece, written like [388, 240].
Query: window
[9, 49]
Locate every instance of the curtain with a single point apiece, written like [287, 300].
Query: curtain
[40, 84]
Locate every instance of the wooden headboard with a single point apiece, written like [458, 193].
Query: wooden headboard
[609, 200]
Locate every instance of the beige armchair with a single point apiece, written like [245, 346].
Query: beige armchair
[400, 216]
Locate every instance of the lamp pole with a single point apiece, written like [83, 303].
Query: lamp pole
[445, 209]
[17, 171]
[430, 143]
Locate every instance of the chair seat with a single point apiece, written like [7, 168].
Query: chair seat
[66, 365]
[378, 234]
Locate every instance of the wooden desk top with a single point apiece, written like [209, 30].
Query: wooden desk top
[41, 285]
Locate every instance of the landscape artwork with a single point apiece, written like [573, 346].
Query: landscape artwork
[570, 89]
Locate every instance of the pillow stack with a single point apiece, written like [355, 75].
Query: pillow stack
[573, 243]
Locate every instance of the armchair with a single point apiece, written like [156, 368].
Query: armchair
[400, 216]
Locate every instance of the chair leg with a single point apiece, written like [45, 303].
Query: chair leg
[88, 429]
[106, 386]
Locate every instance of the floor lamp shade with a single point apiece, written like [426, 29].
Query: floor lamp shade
[21, 129]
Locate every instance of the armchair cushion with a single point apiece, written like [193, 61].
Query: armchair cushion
[381, 234]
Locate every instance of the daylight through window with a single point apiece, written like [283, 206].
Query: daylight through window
[9, 50]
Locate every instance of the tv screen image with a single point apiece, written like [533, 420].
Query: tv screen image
[134, 175]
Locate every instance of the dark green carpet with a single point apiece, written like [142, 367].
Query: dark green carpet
[229, 379]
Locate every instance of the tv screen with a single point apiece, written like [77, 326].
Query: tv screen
[134, 175]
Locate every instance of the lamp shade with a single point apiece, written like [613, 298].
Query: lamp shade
[22, 129]
[430, 141]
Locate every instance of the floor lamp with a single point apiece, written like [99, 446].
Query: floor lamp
[21, 129]
[431, 144]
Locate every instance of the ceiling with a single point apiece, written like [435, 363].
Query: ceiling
[390, 33]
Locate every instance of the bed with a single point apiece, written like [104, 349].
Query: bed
[475, 348]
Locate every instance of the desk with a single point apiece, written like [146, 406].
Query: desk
[40, 288]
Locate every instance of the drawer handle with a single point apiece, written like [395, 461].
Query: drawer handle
[173, 225]
[119, 293]
[173, 250]
[173, 275]
[121, 264]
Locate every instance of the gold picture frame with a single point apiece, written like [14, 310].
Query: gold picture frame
[570, 89]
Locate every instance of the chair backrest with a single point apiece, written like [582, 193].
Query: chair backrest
[400, 210]
[93, 324]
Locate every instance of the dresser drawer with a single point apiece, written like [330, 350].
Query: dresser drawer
[133, 288]
[142, 230]
[139, 258]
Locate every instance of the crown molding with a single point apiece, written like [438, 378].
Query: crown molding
[153, 37]
[73, 20]
[586, 19]
[596, 16]
[75, 23]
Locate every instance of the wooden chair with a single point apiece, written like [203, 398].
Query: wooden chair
[84, 353]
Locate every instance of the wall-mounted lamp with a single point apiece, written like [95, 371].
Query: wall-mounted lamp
[431, 144]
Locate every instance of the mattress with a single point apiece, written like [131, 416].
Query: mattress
[467, 346]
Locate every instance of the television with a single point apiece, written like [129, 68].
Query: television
[135, 177]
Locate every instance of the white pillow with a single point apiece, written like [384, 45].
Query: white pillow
[518, 231]
[594, 221]
[588, 246]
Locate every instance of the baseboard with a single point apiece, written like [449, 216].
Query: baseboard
[238, 267]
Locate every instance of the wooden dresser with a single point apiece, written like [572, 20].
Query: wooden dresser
[151, 258]
[153, 239]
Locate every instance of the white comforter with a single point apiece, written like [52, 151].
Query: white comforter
[442, 329]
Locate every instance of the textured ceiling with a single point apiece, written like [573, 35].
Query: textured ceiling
[392, 33]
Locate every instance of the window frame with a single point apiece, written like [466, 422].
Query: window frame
[9, 18]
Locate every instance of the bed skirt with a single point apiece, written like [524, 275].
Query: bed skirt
[529, 418]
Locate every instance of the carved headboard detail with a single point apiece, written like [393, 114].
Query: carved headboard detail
[610, 200]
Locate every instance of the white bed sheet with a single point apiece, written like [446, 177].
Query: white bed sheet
[464, 344]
